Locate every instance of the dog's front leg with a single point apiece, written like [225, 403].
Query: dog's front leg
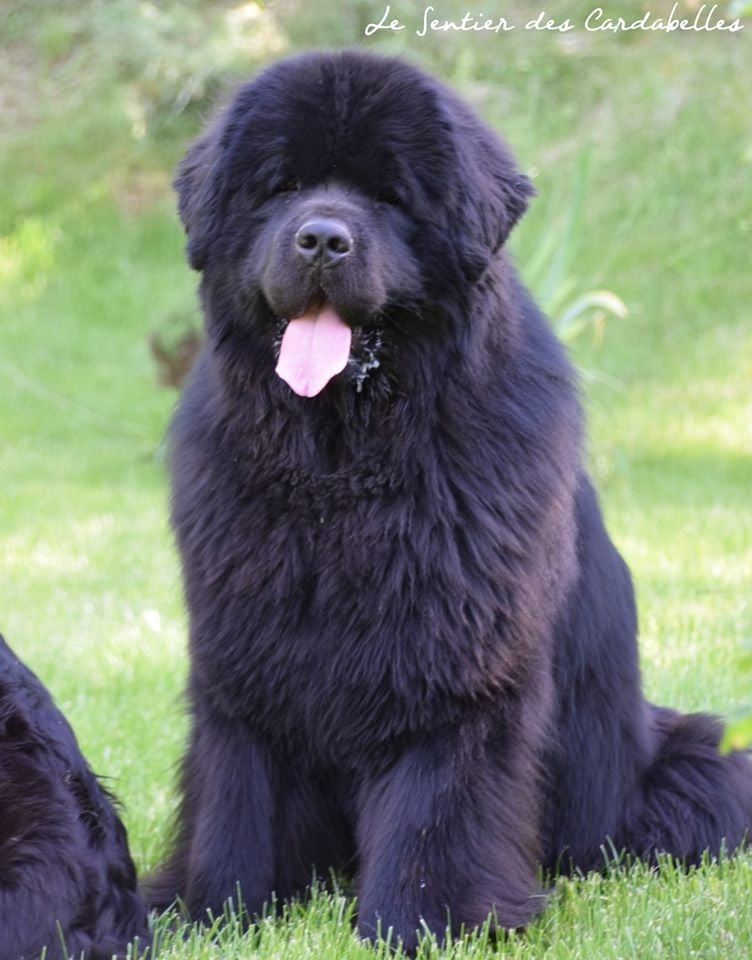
[449, 834]
[224, 840]
[255, 824]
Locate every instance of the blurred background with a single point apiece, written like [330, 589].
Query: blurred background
[639, 245]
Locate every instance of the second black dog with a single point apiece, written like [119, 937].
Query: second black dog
[67, 881]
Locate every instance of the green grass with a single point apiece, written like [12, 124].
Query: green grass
[91, 261]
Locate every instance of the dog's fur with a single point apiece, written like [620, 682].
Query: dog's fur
[413, 645]
[67, 881]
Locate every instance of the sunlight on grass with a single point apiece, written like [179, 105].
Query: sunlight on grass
[27, 254]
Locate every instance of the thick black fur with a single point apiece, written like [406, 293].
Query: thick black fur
[413, 646]
[67, 881]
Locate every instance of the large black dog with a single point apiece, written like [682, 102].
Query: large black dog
[413, 651]
[67, 881]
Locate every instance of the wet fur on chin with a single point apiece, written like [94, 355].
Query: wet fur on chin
[65, 870]
[413, 645]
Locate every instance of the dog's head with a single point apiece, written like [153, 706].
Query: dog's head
[340, 196]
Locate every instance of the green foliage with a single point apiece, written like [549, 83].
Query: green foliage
[173, 54]
[327, 25]
[740, 8]
[549, 273]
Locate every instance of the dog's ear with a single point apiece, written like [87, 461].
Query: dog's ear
[197, 186]
[492, 194]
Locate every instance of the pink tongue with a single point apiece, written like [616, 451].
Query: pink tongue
[315, 347]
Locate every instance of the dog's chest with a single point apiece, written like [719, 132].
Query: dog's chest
[339, 618]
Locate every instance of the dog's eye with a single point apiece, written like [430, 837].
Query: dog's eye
[391, 197]
[288, 185]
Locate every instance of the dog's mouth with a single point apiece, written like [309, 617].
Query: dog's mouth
[315, 347]
[319, 344]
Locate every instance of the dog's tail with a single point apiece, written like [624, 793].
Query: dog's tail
[692, 798]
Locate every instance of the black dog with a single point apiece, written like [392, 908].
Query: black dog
[413, 650]
[67, 881]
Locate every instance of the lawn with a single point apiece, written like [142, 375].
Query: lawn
[655, 131]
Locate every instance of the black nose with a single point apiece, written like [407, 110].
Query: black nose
[328, 241]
